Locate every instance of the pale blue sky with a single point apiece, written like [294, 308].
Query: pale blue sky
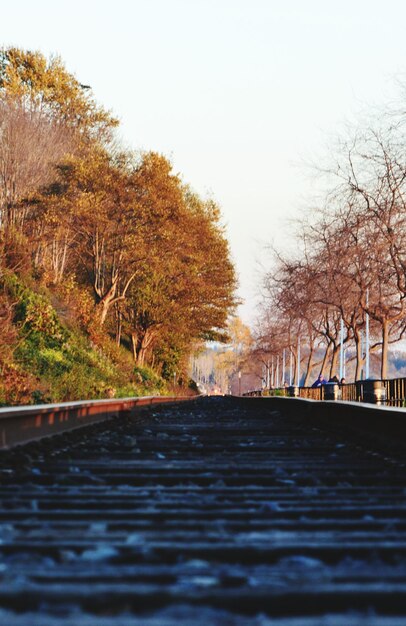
[238, 93]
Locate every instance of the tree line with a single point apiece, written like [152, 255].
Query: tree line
[349, 261]
[141, 257]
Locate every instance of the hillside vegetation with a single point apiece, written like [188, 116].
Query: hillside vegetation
[111, 267]
[48, 358]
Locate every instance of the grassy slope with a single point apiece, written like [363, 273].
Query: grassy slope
[52, 360]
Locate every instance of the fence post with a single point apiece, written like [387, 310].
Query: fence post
[293, 391]
[374, 391]
[332, 391]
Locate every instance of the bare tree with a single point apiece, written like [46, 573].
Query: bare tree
[30, 143]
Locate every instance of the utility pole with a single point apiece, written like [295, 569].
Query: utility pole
[367, 338]
[283, 367]
[290, 367]
[341, 350]
[298, 363]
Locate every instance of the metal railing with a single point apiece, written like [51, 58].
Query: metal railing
[389, 392]
[395, 392]
[20, 424]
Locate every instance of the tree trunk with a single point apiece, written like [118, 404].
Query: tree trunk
[38, 255]
[334, 360]
[58, 258]
[106, 302]
[141, 357]
[134, 346]
[385, 350]
[294, 364]
[63, 259]
[309, 366]
[119, 325]
[143, 346]
[359, 359]
[325, 360]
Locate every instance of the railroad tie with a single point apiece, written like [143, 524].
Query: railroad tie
[217, 512]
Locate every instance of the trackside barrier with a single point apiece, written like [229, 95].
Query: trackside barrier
[385, 424]
[381, 392]
[22, 424]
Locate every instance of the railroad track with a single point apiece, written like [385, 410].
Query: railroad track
[217, 512]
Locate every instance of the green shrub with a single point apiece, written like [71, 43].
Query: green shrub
[148, 378]
[59, 363]
[33, 312]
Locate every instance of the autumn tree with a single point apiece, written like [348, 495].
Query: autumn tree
[145, 255]
[187, 282]
[46, 86]
[217, 365]
[44, 114]
[229, 361]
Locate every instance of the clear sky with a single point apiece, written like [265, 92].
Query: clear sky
[238, 93]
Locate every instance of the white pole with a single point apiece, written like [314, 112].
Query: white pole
[341, 349]
[298, 363]
[345, 350]
[367, 339]
[283, 367]
[272, 374]
[290, 366]
[277, 372]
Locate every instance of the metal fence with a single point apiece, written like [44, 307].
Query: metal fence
[393, 392]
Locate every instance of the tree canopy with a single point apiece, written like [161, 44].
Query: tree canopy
[144, 258]
[349, 265]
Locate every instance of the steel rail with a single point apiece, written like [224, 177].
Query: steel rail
[22, 424]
